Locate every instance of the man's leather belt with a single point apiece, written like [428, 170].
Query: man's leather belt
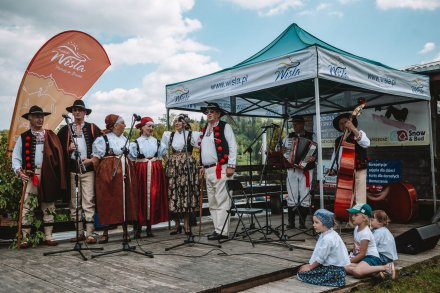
[209, 166]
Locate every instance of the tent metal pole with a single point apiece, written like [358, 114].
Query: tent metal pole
[168, 118]
[318, 136]
[431, 148]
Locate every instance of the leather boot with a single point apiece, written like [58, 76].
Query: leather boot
[303, 212]
[291, 218]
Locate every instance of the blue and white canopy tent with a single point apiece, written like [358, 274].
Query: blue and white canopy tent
[298, 73]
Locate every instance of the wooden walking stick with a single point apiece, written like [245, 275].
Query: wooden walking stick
[201, 204]
[20, 213]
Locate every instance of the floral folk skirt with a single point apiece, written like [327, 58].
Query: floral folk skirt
[183, 185]
[325, 276]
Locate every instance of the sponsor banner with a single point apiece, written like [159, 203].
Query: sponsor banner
[393, 125]
[384, 171]
[62, 71]
[234, 82]
[371, 76]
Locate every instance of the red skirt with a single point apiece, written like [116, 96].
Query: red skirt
[110, 191]
[152, 192]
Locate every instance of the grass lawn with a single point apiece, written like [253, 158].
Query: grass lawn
[422, 277]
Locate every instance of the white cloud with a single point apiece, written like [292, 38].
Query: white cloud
[268, 7]
[336, 13]
[428, 47]
[411, 4]
[149, 100]
[322, 6]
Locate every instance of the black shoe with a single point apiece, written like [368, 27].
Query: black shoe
[212, 234]
[176, 231]
[217, 237]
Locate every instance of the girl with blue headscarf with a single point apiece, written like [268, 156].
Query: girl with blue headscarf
[330, 256]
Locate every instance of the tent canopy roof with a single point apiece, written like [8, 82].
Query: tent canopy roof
[278, 80]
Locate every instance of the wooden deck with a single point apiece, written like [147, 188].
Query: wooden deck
[236, 266]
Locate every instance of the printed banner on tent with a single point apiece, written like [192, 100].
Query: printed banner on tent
[63, 70]
[398, 125]
[231, 83]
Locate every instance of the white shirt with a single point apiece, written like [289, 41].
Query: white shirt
[116, 143]
[365, 234]
[385, 242]
[147, 147]
[330, 250]
[179, 141]
[16, 153]
[208, 151]
[363, 142]
[80, 141]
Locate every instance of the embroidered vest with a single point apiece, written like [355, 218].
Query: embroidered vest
[361, 159]
[188, 142]
[221, 145]
[89, 136]
[29, 144]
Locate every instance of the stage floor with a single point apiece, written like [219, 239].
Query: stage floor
[190, 268]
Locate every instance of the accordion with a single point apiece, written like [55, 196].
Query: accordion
[298, 149]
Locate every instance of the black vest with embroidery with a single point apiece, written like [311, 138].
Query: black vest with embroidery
[221, 145]
[28, 145]
[361, 159]
[188, 142]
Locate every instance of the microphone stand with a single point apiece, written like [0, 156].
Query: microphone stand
[125, 245]
[78, 246]
[190, 236]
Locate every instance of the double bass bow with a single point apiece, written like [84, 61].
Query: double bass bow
[346, 171]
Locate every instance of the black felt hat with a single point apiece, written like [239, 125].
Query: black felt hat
[79, 104]
[35, 110]
[343, 115]
[297, 118]
[213, 106]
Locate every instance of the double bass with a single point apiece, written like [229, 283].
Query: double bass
[345, 183]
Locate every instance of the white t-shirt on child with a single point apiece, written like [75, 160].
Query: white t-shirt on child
[385, 242]
[330, 250]
[365, 234]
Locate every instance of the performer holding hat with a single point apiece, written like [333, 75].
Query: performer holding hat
[298, 181]
[362, 142]
[180, 182]
[218, 152]
[151, 184]
[84, 134]
[38, 159]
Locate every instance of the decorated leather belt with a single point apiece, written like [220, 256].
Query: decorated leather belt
[209, 166]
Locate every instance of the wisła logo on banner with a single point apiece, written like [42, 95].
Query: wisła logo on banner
[69, 59]
[180, 95]
[338, 69]
[287, 69]
[417, 86]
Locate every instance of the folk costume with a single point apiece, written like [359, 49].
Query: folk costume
[331, 254]
[218, 150]
[178, 162]
[86, 178]
[110, 191]
[362, 142]
[151, 184]
[40, 154]
[298, 181]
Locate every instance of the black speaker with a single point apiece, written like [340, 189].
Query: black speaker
[418, 239]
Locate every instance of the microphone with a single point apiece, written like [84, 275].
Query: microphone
[65, 116]
[275, 125]
[137, 117]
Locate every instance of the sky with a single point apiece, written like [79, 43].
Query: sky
[152, 43]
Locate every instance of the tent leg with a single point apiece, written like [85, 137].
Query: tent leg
[432, 154]
[318, 136]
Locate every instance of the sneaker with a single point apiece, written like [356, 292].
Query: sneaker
[391, 270]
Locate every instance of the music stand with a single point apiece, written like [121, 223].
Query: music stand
[125, 246]
[190, 236]
[78, 245]
[279, 164]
